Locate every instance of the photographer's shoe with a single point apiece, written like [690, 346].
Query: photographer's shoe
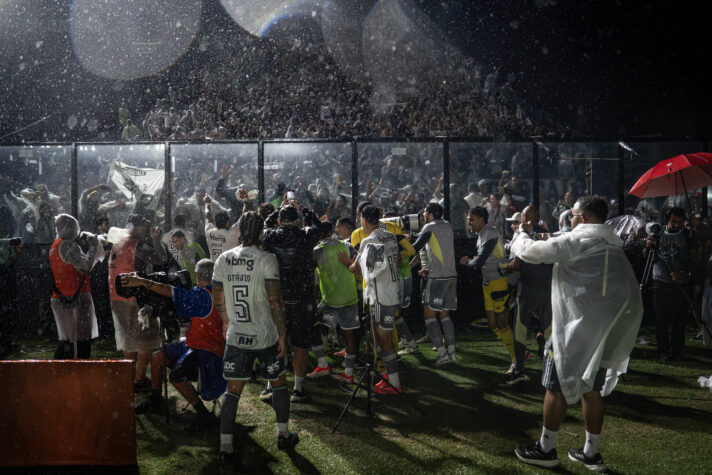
[533, 455]
[594, 463]
[142, 385]
[154, 405]
[288, 442]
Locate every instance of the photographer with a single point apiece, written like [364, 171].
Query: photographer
[200, 352]
[674, 259]
[138, 252]
[71, 303]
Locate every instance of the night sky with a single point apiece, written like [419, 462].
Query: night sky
[633, 68]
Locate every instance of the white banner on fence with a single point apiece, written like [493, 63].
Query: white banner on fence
[134, 182]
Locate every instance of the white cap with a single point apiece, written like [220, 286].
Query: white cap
[516, 217]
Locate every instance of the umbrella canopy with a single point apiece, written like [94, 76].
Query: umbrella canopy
[675, 176]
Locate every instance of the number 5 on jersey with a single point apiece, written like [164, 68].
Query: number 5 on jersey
[242, 308]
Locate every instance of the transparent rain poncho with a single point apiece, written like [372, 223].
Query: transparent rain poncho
[596, 302]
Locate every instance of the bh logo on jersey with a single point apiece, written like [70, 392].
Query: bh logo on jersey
[245, 341]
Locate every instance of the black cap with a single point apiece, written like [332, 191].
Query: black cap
[288, 214]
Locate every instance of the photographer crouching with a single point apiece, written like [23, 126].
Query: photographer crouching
[673, 260]
[201, 349]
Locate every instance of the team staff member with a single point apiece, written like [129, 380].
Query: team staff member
[491, 261]
[437, 247]
[200, 352]
[533, 309]
[246, 290]
[71, 301]
[294, 249]
[597, 311]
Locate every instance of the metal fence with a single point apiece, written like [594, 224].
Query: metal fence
[545, 169]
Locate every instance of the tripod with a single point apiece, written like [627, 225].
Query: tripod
[368, 370]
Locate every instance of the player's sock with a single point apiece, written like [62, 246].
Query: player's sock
[320, 355]
[228, 411]
[449, 331]
[547, 441]
[404, 331]
[298, 383]
[432, 327]
[591, 447]
[349, 361]
[505, 334]
[390, 360]
[269, 384]
[280, 404]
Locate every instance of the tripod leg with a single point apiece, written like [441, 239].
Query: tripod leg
[353, 395]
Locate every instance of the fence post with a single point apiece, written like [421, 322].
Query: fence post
[74, 185]
[446, 178]
[354, 178]
[261, 170]
[535, 174]
[168, 184]
[621, 180]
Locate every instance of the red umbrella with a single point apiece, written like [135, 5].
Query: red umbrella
[675, 176]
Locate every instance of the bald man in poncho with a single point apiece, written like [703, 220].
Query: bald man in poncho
[597, 311]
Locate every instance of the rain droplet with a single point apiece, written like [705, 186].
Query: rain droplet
[178, 24]
[22, 66]
[38, 44]
[313, 13]
[72, 121]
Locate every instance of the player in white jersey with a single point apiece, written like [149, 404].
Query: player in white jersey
[377, 260]
[219, 234]
[247, 296]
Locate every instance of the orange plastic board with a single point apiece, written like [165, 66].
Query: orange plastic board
[67, 413]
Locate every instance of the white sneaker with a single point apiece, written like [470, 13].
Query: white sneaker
[442, 360]
[408, 349]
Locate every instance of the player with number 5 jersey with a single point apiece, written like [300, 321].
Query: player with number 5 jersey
[247, 296]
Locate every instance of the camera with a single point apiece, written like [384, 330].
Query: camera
[654, 229]
[407, 222]
[162, 306]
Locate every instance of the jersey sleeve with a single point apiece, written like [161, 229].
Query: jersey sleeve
[271, 267]
[218, 273]
[195, 302]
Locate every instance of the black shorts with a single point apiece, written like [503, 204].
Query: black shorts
[301, 322]
[549, 378]
[237, 363]
[383, 316]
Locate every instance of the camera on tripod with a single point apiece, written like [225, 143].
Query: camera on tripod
[654, 229]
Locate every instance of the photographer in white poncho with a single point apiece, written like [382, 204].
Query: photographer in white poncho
[597, 310]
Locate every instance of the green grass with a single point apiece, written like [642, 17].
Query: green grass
[657, 421]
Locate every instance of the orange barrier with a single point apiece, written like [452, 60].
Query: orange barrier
[73, 412]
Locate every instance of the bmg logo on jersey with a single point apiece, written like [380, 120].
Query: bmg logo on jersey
[241, 261]
[245, 341]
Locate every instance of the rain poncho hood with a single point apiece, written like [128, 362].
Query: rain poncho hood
[67, 227]
[596, 304]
